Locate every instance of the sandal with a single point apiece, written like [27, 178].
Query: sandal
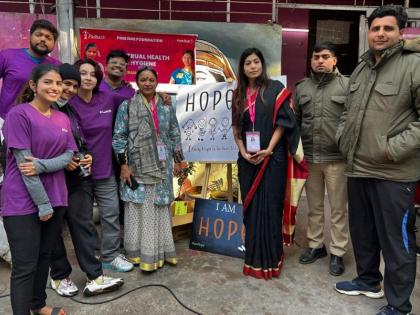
[54, 311]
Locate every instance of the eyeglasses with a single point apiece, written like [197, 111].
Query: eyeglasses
[117, 63]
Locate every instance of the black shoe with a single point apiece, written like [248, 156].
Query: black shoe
[389, 310]
[312, 254]
[336, 265]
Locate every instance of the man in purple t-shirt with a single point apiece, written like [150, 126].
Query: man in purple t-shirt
[16, 64]
[115, 71]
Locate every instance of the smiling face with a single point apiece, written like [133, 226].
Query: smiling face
[48, 89]
[69, 89]
[87, 74]
[147, 83]
[383, 33]
[323, 61]
[116, 67]
[41, 42]
[252, 67]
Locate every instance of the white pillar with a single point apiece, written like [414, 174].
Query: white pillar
[65, 20]
[98, 9]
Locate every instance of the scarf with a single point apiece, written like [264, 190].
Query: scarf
[142, 142]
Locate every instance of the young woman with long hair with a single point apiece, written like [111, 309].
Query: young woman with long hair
[260, 131]
[34, 195]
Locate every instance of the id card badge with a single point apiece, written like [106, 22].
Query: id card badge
[161, 151]
[253, 141]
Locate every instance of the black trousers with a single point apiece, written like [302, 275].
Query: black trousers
[31, 242]
[82, 231]
[382, 217]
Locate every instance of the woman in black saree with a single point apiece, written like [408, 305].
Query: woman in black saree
[263, 133]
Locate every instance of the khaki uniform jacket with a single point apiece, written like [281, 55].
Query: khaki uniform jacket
[383, 110]
[319, 103]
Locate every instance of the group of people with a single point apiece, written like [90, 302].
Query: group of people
[361, 140]
[360, 137]
[59, 140]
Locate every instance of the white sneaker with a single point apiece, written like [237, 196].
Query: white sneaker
[102, 284]
[120, 264]
[64, 287]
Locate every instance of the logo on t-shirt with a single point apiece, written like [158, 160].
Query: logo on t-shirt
[64, 130]
[106, 111]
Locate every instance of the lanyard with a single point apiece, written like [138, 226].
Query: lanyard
[155, 115]
[251, 99]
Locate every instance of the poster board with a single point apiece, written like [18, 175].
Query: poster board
[163, 52]
[218, 228]
[204, 114]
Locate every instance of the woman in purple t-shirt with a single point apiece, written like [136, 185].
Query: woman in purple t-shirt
[39, 146]
[95, 110]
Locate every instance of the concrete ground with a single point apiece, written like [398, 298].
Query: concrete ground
[214, 284]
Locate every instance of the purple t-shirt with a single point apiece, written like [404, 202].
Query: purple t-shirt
[46, 137]
[96, 121]
[15, 69]
[124, 92]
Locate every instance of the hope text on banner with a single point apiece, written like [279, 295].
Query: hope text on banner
[218, 228]
[205, 117]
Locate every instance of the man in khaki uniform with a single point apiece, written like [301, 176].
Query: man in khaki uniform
[319, 103]
[379, 135]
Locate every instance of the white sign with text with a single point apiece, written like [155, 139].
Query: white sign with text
[205, 118]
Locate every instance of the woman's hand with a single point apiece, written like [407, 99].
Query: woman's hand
[46, 217]
[261, 155]
[74, 164]
[248, 157]
[125, 174]
[28, 168]
[86, 163]
[167, 100]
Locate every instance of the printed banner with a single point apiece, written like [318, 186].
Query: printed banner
[205, 119]
[164, 52]
[218, 228]
[218, 46]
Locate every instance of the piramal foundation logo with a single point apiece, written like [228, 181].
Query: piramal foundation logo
[87, 35]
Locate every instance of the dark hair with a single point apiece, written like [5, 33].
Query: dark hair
[239, 94]
[396, 11]
[145, 68]
[37, 73]
[117, 53]
[98, 72]
[325, 46]
[47, 25]
[189, 52]
[90, 45]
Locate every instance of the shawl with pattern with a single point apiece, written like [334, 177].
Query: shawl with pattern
[142, 142]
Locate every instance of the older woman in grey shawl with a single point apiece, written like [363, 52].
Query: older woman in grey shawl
[147, 140]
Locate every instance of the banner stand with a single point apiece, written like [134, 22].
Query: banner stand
[188, 218]
[228, 175]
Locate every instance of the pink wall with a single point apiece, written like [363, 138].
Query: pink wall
[14, 30]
